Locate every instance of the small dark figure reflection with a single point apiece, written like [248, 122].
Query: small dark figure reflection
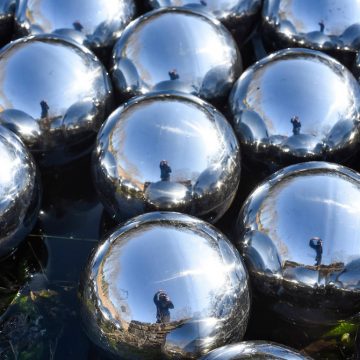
[203, 2]
[163, 305]
[44, 109]
[174, 74]
[322, 26]
[316, 244]
[165, 170]
[296, 125]
[77, 26]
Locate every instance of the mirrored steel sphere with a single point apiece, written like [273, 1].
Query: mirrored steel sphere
[94, 23]
[165, 283]
[176, 49]
[296, 104]
[320, 25]
[54, 94]
[299, 233]
[237, 15]
[19, 192]
[255, 350]
[167, 152]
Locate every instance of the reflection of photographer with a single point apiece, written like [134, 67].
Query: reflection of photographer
[296, 125]
[165, 170]
[316, 244]
[163, 304]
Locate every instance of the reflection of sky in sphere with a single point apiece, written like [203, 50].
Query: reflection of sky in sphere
[303, 87]
[191, 44]
[336, 15]
[177, 131]
[178, 261]
[317, 205]
[36, 71]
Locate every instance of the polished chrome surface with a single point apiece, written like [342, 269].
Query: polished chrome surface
[237, 15]
[94, 23]
[297, 104]
[298, 232]
[54, 94]
[164, 283]
[167, 152]
[320, 24]
[176, 49]
[19, 192]
[255, 350]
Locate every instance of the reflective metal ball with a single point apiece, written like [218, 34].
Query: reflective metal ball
[237, 15]
[54, 94]
[19, 192]
[94, 23]
[296, 104]
[164, 284]
[320, 25]
[299, 235]
[176, 49]
[255, 350]
[167, 152]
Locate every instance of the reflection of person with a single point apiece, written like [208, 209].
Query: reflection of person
[44, 109]
[322, 26]
[165, 170]
[173, 74]
[163, 304]
[296, 125]
[77, 26]
[316, 244]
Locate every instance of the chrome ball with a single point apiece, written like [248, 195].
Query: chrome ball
[176, 49]
[94, 23]
[320, 25]
[167, 152]
[164, 284]
[296, 104]
[19, 192]
[299, 235]
[255, 350]
[55, 95]
[237, 15]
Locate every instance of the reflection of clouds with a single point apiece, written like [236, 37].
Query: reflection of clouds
[353, 208]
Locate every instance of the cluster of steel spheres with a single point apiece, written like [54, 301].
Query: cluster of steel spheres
[151, 106]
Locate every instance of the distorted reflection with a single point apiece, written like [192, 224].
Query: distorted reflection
[322, 26]
[44, 109]
[163, 305]
[77, 26]
[296, 125]
[173, 74]
[316, 244]
[165, 170]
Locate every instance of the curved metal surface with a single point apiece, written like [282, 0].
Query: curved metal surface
[176, 49]
[298, 234]
[167, 152]
[94, 23]
[256, 350]
[19, 192]
[55, 95]
[297, 104]
[320, 25]
[237, 15]
[164, 284]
